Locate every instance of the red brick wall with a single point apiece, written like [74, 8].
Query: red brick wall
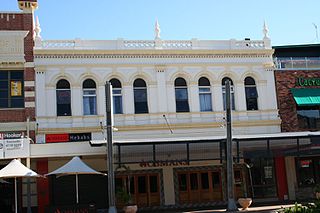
[285, 80]
[20, 21]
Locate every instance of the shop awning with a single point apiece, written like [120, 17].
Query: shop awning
[306, 96]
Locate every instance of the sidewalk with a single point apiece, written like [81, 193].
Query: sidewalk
[260, 209]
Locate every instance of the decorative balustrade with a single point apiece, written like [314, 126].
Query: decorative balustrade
[152, 44]
[249, 44]
[297, 63]
[58, 44]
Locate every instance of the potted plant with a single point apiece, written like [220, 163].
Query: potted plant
[126, 199]
[317, 191]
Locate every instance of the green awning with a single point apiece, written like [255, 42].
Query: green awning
[306, 96]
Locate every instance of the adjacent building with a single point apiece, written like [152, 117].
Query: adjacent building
[298, 87]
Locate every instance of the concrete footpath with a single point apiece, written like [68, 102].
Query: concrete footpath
[260, 209]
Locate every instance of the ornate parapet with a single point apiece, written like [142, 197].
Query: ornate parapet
[12, 46]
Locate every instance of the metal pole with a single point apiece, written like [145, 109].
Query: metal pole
[15, 196]
[77, 189]
[251, 182]
[230, 176]
[29, 166]
[111, 187]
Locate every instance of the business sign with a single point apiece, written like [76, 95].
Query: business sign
[307, 82]
[16, 88]
[14, 148]
[67, 137]
[11, 135]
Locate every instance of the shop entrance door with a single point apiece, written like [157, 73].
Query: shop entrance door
[199, 186]
[144, 188]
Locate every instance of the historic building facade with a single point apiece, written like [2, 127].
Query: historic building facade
[17, 93]
[168, 99]
[298, 88]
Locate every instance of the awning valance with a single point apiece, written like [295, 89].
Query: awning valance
[306, 96]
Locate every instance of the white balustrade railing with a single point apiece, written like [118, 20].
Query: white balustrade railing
[152, 44]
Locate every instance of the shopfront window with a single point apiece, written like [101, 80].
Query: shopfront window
[308, 171]
[309, 117]
[11, 89]
[263, 177]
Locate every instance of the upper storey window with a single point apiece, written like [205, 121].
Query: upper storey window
[63, 98]
[89, 97]
[181, 92]
[117, 96]
[224, 93]
[11, 89]
[140, 96]
[251, 94]
[205, 95]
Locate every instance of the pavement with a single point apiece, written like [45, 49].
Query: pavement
[258, 209]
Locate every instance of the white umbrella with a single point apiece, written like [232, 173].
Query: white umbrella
[75, 167]
[14, 170]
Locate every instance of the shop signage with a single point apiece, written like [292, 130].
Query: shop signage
[14, 148]
[11, 135]
[307, 82]
[67, 137]
[164, 163]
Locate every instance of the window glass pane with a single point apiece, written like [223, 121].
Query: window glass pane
[194, 181]
[63, 97]
[205, 102]
[17, 102]
[309, 118]
[204, 82]
[4, 103]
[249, 81]
[4, 85]
[215, 180]
[181, 94]
[131, 185]
[89, 105]
[89, 83]
[117, 104]
[142, 184]
[153, 181]
[251, 92]
[204, 181]
[115, 83]
[204, 89]
[116, 91]
[4, 75]
[16, 75]
[3, 94]
[140, 95]
[89, 92]
[63, 84]
[63, 110]
[180, 82]
[139, 83]
[182, 182]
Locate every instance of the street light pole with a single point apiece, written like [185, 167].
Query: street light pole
[230, 176]
[111, 185]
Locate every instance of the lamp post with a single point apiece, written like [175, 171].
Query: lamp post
[250, 176]
[111, 185]
[230, 176]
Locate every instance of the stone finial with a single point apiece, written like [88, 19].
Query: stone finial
[37, 29]
[265, 31]
[157, 30]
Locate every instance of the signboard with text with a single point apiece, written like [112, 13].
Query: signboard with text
[68, 137]
[14, 148]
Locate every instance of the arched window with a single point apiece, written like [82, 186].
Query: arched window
[117, 96]
[181, 91]
[251, 94]
[224, 93]
[63, 98]
[89, 97]
[205, 95]
[140, 96]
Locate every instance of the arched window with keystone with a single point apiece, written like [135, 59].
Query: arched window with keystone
[89, 97]
[140, 96]
[205, 95]
[117, 96]
[63, 93]
[251, 93]
[181, 92]
[224, 93]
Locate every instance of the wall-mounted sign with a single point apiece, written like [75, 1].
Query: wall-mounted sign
[307, 82]
[67, 137]
[14, 148]
[11, 135]
[16, 88]
[164, 163]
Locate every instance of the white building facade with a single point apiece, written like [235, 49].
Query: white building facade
[163, 90]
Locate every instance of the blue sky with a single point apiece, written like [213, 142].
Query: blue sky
[289, 21]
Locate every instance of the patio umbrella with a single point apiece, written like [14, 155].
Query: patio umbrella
[14, 170]
[75, 167]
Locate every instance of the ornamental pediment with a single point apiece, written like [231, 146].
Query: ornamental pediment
[12, 46]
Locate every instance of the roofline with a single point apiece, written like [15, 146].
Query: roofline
[295, 46]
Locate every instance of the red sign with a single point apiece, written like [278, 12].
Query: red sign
[51, 138]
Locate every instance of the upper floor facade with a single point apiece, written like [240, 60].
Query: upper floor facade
[157, 85]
